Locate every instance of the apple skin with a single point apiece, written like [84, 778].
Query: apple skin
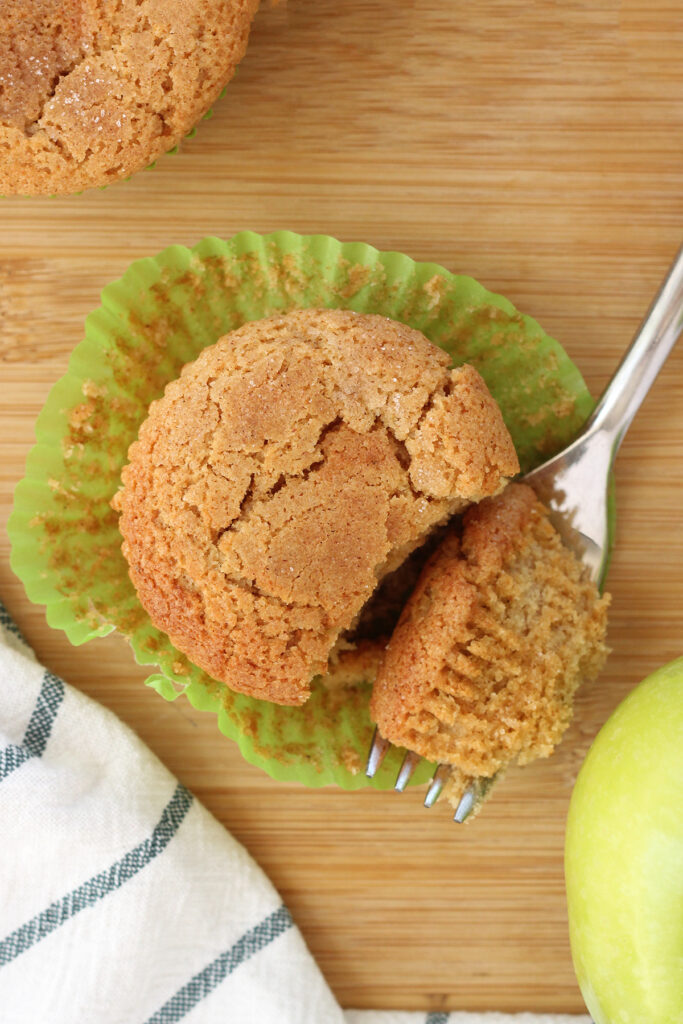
[624, 859]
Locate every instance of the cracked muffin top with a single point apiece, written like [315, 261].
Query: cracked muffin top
[284, 473]
[502, 628]
[92, 91]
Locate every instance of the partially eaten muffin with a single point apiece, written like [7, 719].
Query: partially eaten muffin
[502, 627]
[287, 471]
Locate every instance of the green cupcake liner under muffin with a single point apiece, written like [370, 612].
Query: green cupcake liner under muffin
[66, 546]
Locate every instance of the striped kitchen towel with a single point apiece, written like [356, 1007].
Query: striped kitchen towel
[122, 900]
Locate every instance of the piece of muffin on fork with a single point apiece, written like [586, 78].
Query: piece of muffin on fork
[502, 627]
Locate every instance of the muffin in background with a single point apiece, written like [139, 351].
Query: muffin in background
[91, 92]
[284, 474]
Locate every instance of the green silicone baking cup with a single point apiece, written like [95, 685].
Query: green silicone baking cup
[66, 547]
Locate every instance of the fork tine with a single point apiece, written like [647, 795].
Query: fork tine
[378, 749]
[437, 784]
[410, 763]
[467, 802]
[475, 792]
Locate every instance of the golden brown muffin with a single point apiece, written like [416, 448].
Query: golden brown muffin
[501, 629]
[287, 470]
[91, 90]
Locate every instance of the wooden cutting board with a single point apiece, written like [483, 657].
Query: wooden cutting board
[539, 147]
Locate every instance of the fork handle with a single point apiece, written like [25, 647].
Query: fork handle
[633, 378]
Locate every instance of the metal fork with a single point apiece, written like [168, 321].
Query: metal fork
[575, 486]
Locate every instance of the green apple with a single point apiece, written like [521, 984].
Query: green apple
[624, 859]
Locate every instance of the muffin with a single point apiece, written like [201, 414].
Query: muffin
[291, 467]
[92, 92]
[500, 631]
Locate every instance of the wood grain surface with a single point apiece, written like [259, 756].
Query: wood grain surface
[539, 147]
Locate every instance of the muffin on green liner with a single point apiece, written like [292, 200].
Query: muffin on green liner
[66, 546]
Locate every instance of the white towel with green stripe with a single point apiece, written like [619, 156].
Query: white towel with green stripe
[122, 900]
